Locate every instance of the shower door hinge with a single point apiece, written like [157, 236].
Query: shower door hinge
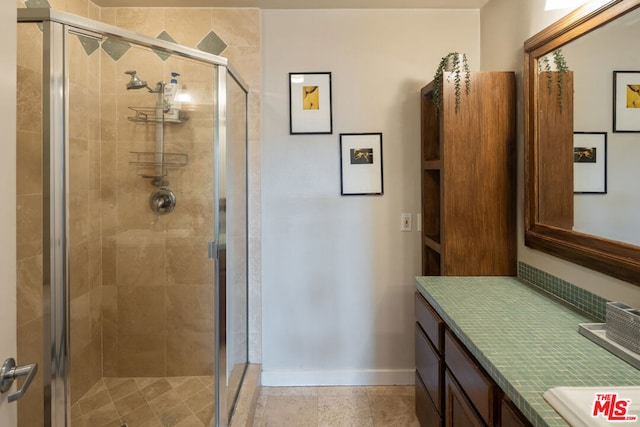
[213, 250]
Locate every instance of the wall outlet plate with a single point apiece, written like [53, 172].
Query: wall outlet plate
[405, 222]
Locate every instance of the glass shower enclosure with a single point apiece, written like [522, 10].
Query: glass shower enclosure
[132, 227]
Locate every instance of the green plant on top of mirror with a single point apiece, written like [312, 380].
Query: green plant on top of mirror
[457, 64]
[561, 68]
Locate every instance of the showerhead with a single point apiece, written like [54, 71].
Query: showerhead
[135, 82]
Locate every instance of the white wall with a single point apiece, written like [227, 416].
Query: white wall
[338, 275]
[505, 27]
[8, 206]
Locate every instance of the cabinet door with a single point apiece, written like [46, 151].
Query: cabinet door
[459, 412]
[511, 416]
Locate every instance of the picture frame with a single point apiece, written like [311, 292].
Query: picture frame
[361, 164]
[310, 103]
[626, 101]
[590, 162]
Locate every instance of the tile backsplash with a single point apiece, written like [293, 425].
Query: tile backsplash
[579, 298]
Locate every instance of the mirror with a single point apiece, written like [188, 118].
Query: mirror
[581, 147]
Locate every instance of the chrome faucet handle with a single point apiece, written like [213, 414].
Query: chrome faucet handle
[9, 372]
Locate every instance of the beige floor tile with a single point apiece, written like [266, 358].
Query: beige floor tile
[291, 411]
[191, 421]
[206, 414]
[341, 391]
[346, 410]
[393, 411]
[101, 416]
[141, 417]
[94, 402]
[189, 387]
[122, 388]
[172, 415]
[156, 389]
[130, 402]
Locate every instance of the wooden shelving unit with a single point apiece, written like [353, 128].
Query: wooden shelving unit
[468, 178]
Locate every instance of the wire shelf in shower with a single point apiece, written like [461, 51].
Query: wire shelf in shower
[151, 164]
[149, 115]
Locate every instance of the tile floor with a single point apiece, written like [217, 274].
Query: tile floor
[146, 402]
[384, 406]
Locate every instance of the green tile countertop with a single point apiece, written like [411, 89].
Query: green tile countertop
[527, 340]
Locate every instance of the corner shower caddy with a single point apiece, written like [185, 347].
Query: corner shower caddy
[154, 165]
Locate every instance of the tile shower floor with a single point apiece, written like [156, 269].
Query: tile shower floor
[146, 402]
[380, 406]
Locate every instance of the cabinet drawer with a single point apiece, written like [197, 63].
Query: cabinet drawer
[430, 368]
[426, 412]
[477, 386]
[430, 322]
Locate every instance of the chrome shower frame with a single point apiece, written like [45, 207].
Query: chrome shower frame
[56, 27]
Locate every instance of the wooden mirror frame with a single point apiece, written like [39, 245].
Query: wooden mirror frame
[616, 259]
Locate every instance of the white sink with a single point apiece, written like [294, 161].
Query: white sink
[577, 404]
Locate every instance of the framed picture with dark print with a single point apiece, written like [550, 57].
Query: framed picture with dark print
[361, 164]
[626, 101]
[590, 162]
[310, 103]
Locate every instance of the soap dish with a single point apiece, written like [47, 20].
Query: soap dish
[597, 332]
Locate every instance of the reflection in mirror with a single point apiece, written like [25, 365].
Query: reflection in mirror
[593, 59]
[581, 176]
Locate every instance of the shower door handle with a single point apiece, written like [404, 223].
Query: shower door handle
[10, 372]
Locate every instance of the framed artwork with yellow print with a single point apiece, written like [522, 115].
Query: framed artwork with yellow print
[310, 103]
[626, 101]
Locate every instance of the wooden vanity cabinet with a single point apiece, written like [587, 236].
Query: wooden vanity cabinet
[452, 389]
[510, 416]
[459, 410]
[429, 364]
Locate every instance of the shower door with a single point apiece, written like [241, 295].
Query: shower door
[134, 247]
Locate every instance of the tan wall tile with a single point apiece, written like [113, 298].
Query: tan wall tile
[80, 324]
[29, 289]
[188, 262]
[190, 309]
[29, 100]
[237, 27]
[80, 376]
[189, 35]
[30, 52]
[141, 355]
[29, 163]
[190, 353]
[79, 269]
[149, 21]
[141, 310]
[140, 265]
[29, 226]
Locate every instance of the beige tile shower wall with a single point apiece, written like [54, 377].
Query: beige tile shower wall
[160, 262]
[85, 231]
[129, 270]
[158, 294]
[84, 201]
[29, 215]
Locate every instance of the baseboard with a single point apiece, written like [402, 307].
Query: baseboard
[309, 378]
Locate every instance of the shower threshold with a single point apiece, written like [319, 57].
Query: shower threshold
[146, 402]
